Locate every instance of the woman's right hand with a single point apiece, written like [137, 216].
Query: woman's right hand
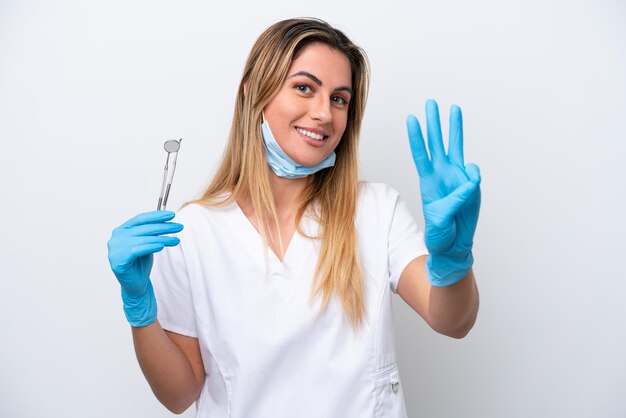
[130, 255]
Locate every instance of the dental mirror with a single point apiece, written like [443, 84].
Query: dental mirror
[171, 146]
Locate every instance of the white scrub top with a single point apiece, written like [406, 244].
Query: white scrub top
[265, 351]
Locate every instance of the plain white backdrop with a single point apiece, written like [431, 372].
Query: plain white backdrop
[90, 90]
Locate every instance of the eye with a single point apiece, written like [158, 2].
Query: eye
[303, 88]
[339, 100]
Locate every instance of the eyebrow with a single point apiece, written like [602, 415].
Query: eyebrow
[318, 81]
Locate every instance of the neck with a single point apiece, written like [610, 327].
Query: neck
[287, 194]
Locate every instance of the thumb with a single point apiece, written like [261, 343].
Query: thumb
[455, 200]
[473, 173]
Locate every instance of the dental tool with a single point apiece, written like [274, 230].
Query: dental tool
[171, 146]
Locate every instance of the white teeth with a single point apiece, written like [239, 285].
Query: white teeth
[313, 135]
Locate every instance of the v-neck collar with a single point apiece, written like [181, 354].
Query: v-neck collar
[255, 235]
[300, 253]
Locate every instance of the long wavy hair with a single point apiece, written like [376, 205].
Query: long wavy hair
[333, 192]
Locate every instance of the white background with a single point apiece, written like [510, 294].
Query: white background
[90, 90]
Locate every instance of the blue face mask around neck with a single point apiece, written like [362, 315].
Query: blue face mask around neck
[282, 165]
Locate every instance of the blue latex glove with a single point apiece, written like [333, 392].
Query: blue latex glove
[450, 196]
[130, 254]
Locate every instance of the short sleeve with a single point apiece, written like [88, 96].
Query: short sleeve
[173, 290]
[406, 241]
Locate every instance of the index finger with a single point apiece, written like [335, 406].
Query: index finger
[153, 217]
[455, 143]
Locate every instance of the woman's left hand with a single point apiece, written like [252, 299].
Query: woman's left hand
[450, 196]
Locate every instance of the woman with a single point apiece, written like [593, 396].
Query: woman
[274, 301]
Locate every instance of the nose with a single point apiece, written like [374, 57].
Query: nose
[321, 110]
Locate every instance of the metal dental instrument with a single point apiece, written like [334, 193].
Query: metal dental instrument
[171, 146]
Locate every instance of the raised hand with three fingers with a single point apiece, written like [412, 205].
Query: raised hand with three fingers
[450, 193]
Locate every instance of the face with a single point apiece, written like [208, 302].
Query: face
[308, 116]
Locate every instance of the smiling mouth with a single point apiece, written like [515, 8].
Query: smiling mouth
[312, 135]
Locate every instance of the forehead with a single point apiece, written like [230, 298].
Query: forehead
[328, 64]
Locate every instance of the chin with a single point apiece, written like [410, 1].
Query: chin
[308, 162]
[304, 158]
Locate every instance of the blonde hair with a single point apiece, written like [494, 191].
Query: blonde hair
[243, 171]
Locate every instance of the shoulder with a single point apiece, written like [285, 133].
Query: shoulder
[198, 213]
[190, 212]
[376, 203]
[376, 193]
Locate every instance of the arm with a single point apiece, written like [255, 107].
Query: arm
[449, 310]
[172, 365]
[170, 362]
[440, 286]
